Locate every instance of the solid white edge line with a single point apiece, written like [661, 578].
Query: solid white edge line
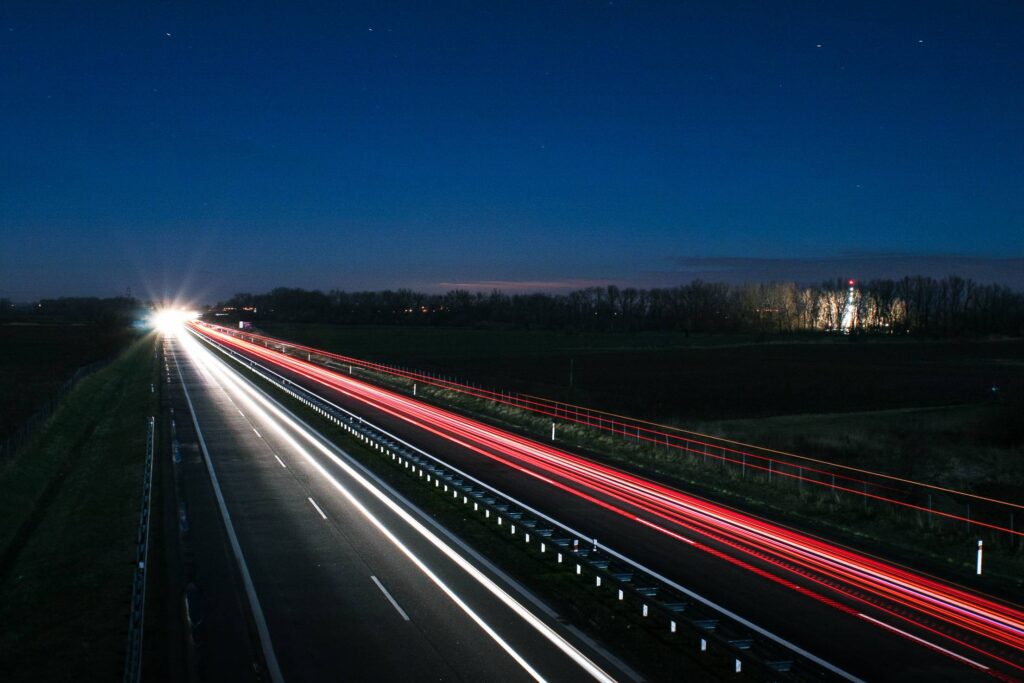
[924, 642]
[317, 507]
[243, 387]
[669, 582]
[538, 604]
[391, 599]
[309, 435]
[250, 589]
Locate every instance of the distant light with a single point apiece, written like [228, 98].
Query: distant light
[170, 320]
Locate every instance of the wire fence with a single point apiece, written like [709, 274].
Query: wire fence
[938, 505]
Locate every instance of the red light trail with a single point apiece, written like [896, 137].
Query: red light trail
[926, 603]
[836, 477]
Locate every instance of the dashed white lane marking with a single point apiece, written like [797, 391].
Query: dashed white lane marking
[394, 603]
[317, 508]
[257, 432]
[281, 461]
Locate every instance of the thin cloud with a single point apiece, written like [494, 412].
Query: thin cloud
[1007, 271]
[525, 285]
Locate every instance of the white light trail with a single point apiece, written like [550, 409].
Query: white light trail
[269, 413]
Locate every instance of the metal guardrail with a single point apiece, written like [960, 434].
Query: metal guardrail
[669, 607]
[941, 505]
[133, 657]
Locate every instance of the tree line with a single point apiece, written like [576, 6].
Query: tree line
[110, 318]
[950, 306]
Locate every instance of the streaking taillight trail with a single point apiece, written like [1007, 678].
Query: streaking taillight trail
[988, 513]
[903, 594]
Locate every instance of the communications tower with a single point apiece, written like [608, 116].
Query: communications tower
[849, 318]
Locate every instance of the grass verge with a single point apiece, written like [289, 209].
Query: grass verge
[946, 549]
[68, 516]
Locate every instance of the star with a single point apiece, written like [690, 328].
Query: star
[168, 35]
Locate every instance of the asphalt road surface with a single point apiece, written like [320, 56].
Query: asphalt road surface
[855, 636]
[340, 581]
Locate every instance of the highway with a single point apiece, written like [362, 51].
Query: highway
[342, 578]
[867, 618]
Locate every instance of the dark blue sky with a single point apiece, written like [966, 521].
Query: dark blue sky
[166, 146]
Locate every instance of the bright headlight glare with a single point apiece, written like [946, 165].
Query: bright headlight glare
[169, 320]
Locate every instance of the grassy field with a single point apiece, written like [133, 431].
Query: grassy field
[918, 409]
[974, 447]
[35, 359]
[69, 508]
[671, 376]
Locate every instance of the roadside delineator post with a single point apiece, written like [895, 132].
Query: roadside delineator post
[979, 556]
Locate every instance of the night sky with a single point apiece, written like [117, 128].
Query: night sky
[175, 148]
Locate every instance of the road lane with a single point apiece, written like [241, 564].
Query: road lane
[845, 636]
[317, 563]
